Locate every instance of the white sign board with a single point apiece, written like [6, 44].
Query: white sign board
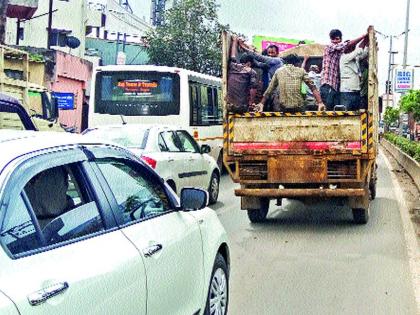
[404, 79]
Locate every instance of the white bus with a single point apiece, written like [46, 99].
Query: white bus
[159, 95]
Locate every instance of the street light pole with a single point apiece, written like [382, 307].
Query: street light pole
[388, 82]
[407, 16]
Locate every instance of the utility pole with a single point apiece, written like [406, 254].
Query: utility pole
[3, 9]
[407, 16]
[388, 84]
[49, 27]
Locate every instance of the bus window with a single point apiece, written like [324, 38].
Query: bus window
[204, 103]
[206, 107]
[219, 106]
[131, 93]
[194, 103]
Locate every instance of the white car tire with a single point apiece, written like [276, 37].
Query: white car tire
[218, 294]
[214, 188]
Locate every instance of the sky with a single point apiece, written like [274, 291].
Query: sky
[313, 19]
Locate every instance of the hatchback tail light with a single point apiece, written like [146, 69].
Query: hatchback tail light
[149, 160]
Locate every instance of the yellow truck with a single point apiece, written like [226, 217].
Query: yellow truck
[34, 98]
[307, 156]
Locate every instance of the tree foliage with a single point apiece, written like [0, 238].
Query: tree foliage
[410, 103]
[189, 37]
[391, 115]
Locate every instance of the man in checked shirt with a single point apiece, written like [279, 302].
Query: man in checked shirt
[330, 77]
[288, 81]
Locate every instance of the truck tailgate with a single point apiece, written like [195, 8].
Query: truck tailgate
[254, 133]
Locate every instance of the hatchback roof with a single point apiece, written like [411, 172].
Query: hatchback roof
[140, 126]
[14, 143]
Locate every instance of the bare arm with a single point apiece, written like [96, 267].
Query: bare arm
[305, 60]
[354, 42]
[252, 94]
[234, 48]
[264, 59]
[314, 90]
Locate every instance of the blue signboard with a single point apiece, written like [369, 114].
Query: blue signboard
[64, 100]
[403, 79]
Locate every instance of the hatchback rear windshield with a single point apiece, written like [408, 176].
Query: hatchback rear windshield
[127, 137]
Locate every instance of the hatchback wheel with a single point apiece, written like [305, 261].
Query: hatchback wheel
[218, 296]
[213, 188]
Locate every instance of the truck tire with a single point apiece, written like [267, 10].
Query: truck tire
[360, 215]
[259, 215]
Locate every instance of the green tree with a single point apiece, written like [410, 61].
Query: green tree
[189, 37]
[410, 103]
[391, 115]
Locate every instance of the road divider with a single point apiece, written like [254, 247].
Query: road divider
[411, 166]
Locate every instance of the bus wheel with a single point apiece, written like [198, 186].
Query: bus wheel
[259, 215]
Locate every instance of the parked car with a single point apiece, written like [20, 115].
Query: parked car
[90, 228]
[171, 151]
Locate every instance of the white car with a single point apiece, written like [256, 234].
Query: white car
[89, 228]
[171, 151]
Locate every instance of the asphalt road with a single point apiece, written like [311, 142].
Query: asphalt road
[312, 259]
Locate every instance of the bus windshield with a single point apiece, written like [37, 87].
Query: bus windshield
[137, 93]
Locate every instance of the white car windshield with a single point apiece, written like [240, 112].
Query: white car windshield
[130, 137]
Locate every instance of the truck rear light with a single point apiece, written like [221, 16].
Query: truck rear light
[152, 162]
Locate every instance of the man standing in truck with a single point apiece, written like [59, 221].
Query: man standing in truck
[274, 62]
[288, 81]
[242, 82]
[351, 74]
[330, 80]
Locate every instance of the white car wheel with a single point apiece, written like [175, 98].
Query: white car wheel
[213, 188]
[218, 296]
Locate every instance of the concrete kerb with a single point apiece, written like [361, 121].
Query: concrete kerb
[411, 166]
[413, 251]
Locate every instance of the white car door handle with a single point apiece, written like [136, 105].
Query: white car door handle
[42, 295]
[151, 250]
[171, 160]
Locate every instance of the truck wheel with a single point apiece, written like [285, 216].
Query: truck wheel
[360, 215]
[259, 215]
